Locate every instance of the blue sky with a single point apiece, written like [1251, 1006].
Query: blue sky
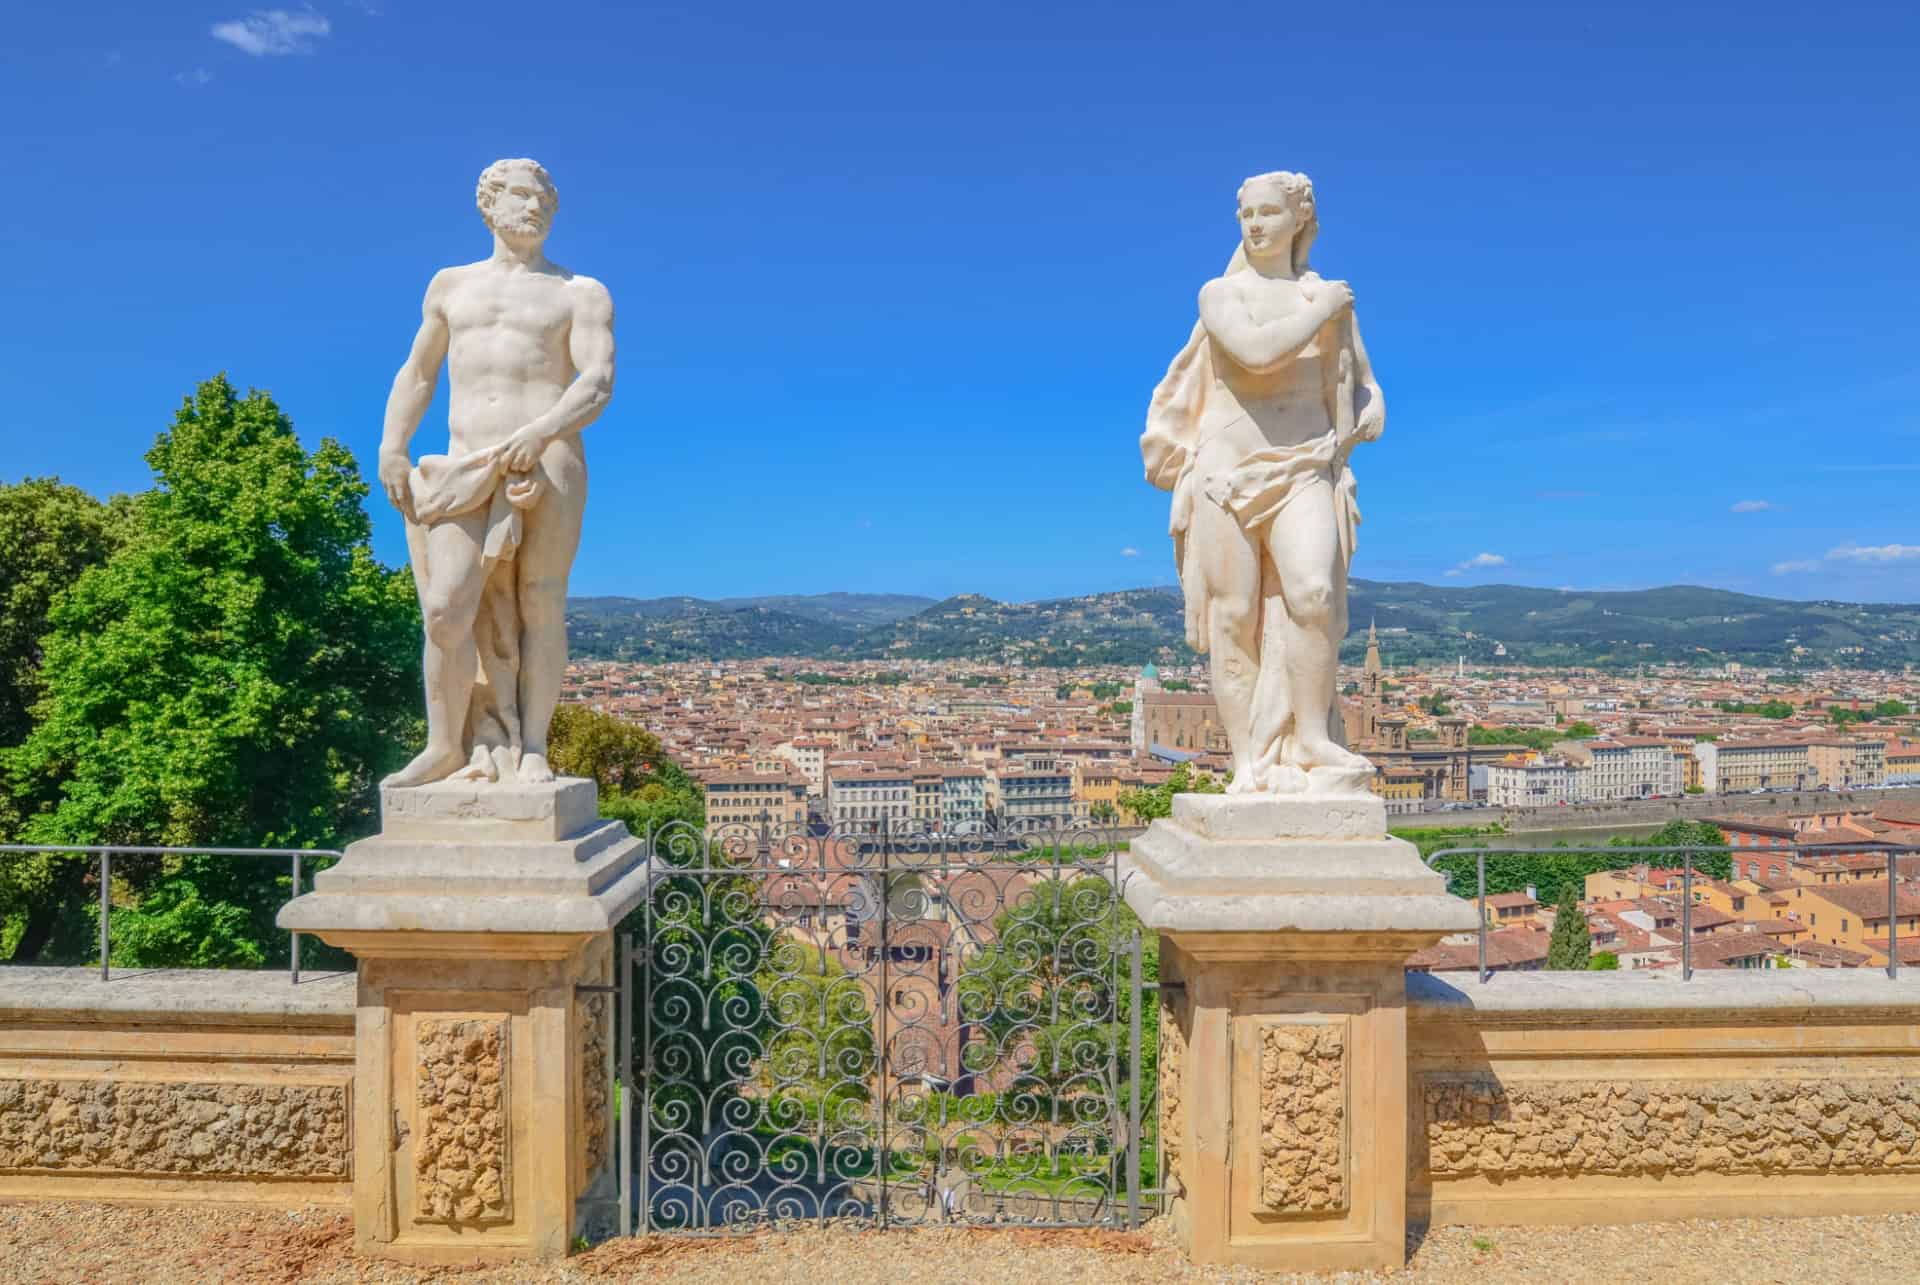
[894, 281]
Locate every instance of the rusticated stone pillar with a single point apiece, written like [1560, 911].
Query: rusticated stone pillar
[481, 918]
[1285, 925]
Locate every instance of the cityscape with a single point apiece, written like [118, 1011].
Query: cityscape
[1017, 643]
[941, 741]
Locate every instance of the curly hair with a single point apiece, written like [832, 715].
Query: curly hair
[1297, 190]
[494, 180]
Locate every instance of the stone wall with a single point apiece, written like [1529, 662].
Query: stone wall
[1618, 1097]
[175, 1085]
[1649, 813]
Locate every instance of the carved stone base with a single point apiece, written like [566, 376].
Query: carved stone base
[481, 1106]
[1284, 1032]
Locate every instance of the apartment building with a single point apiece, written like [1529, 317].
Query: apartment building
[926, 798]
[870, 800]
[1740, 767]
[963, 799]
[1532, 781]
[1902, 760]
[1631, 767]
[1854, 916]
[1035, 799]
[809, 755]
[1844, 762]
[755, 800]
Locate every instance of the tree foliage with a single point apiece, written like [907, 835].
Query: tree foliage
[1052, 997]
[1558, 866]
[49, 534]
[1156, 801]
[639, 782]
[1764, 709]
[1571, 946]
[240, 671]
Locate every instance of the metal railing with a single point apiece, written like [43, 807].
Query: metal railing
[104, 855]
[1687, 856]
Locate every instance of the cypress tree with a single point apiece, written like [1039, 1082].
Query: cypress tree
[1571, 945]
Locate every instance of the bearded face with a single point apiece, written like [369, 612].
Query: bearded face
[521, 207]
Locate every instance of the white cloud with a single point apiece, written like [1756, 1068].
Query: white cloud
[1478, 562]
[1874, 553]
[1129, 552]
[1754, 506]
[192, 79]
[1798, 564]
[269, 32]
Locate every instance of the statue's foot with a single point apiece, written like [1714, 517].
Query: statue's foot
[1245, 780]
[534, 769]
[1328, 753]
[429, 765]
[479, 767]
[1284, 778]
[506, 760]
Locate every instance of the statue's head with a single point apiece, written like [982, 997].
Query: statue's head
[518, 200]
[1277, 219]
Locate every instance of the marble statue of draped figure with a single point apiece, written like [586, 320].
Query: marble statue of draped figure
[1251, 430]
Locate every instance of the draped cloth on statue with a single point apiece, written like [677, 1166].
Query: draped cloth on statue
[443, 488]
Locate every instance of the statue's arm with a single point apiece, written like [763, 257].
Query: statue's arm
[590, 344]
[1263, 346]
[412, 391]
[1370, 407]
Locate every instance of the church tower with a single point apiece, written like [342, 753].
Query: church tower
[1370, 690]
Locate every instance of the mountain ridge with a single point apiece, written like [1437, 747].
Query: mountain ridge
[1421, 623]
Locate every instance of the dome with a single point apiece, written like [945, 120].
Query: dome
[1151, 671]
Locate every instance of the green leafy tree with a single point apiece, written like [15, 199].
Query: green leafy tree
[49, 534]
[1571, 946]
[1604, 962]
[639, 782]
[1102, 813]
[820, 1055]
[1559, 866]
[1765, 709]
[1581, 730]
[239, 672]
[1157, 801]
[1054, 1004]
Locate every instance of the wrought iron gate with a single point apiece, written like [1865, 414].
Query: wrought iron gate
[897, 1029]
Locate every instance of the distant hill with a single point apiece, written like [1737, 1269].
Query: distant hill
[1420, 623]
[666, 629]
[1678, 623]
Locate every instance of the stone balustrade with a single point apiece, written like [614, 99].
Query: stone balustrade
[176, 1085]
[1621, 1097]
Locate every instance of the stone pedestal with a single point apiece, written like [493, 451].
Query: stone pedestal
[1285, 924]
[481, 918]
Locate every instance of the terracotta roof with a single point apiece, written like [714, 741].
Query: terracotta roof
[1867, 899]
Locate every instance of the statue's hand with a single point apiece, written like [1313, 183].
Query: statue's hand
[523, 490]
[394, 467]
[519, 453]
[1334, 296]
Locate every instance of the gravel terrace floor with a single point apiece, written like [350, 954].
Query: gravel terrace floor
[104, 1244]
